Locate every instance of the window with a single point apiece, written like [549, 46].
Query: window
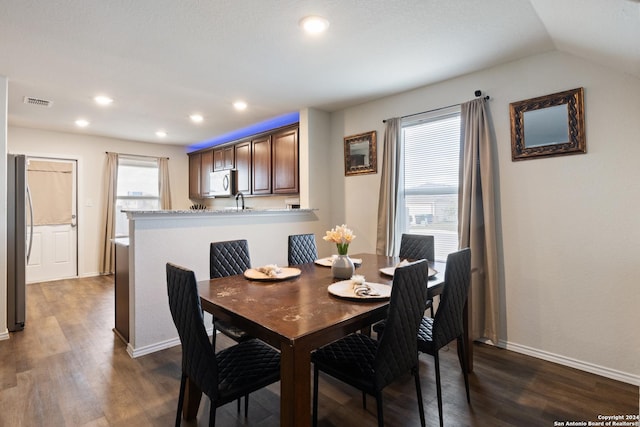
[138, 188]
[429, 187]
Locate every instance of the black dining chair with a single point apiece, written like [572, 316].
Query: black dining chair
[371, 365]
[302, 249]
[228, 258]
[226, 376]
[418, 246]
[435, 333]
[414, 247]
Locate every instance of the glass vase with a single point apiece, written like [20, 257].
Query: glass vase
[342, 267]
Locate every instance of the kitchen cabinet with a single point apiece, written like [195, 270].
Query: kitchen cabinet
[121, 285]
[206, 167]
[261, 165]
[267, 163]
[223, 158]
[194, 176]
[243, 166]
[229, 158]
[218, 160]
[285, 161]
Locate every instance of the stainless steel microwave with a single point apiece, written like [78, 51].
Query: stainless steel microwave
[222, 183]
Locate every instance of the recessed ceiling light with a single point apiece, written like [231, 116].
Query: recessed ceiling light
[196, 118]
[161, 133]
[314, 24]
[240, 105]
[103, 100]
[82, 123]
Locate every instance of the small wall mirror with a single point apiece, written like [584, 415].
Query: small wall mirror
[547, 126]
[360, 154]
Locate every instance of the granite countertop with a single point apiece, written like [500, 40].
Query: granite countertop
[132, 214]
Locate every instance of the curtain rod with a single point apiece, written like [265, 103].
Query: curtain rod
[137, 155]
[477, 93]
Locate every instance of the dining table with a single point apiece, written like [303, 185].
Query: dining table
[297, 316]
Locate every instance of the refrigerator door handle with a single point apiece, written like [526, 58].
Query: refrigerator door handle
[30, 224]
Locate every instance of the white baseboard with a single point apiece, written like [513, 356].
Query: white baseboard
[148, 349]
[4, 335]
[614, 374]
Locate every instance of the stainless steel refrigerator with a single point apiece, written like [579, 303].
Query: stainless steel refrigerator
[19, 239]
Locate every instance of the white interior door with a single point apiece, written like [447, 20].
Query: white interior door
[54, 250]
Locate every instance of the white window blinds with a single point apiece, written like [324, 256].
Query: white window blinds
[429, 200]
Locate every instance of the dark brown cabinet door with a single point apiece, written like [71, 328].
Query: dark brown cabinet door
[261, 161]
[243, 166]
[218, 160]
[285, 161]
[194, 176]
[228, 157]
[206, 167]
[223, 158]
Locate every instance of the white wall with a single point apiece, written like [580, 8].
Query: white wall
[569, 235]
[90, 152]
[184, 240]
[315, 171]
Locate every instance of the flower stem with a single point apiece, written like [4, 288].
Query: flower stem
[343, 248]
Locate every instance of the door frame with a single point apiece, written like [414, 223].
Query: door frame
[80, 249]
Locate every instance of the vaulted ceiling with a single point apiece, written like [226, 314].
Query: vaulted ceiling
[162, 60]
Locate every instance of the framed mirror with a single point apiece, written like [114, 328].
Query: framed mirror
[549, 125]
[360, 154]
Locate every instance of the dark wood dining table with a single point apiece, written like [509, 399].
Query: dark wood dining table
[297, 316]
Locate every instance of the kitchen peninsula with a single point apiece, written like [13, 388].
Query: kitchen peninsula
[183, 237]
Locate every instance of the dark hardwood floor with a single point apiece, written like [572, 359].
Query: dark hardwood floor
[67, 368]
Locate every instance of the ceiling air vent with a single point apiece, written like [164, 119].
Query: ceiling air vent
[37, 101]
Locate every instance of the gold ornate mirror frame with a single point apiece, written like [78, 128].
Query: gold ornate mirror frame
[549, 125]
[360, 154]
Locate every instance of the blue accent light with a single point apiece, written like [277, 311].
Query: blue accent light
[274, 123]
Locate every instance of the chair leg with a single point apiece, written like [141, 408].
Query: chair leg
[246, 405]
[438, 388]
[212, 415]
[419, 397]
[213, 337]
[183, 385]
[364, 400]
[238, 405]
[315, 396]
[379, 407]
[463, 364]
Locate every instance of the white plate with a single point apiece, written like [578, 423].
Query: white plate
[286, 273]
[388, 271]
[328, 261]
[344, 289]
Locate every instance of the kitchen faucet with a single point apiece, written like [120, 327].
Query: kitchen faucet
[239, 194]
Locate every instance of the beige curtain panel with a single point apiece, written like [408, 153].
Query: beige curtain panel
[165, 190]
[389, 189]
[107, 258]
[51, 186]
[476, 222]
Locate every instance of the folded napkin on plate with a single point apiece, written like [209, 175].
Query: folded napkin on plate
[362, 290]
[271, 270]
[360, 287]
